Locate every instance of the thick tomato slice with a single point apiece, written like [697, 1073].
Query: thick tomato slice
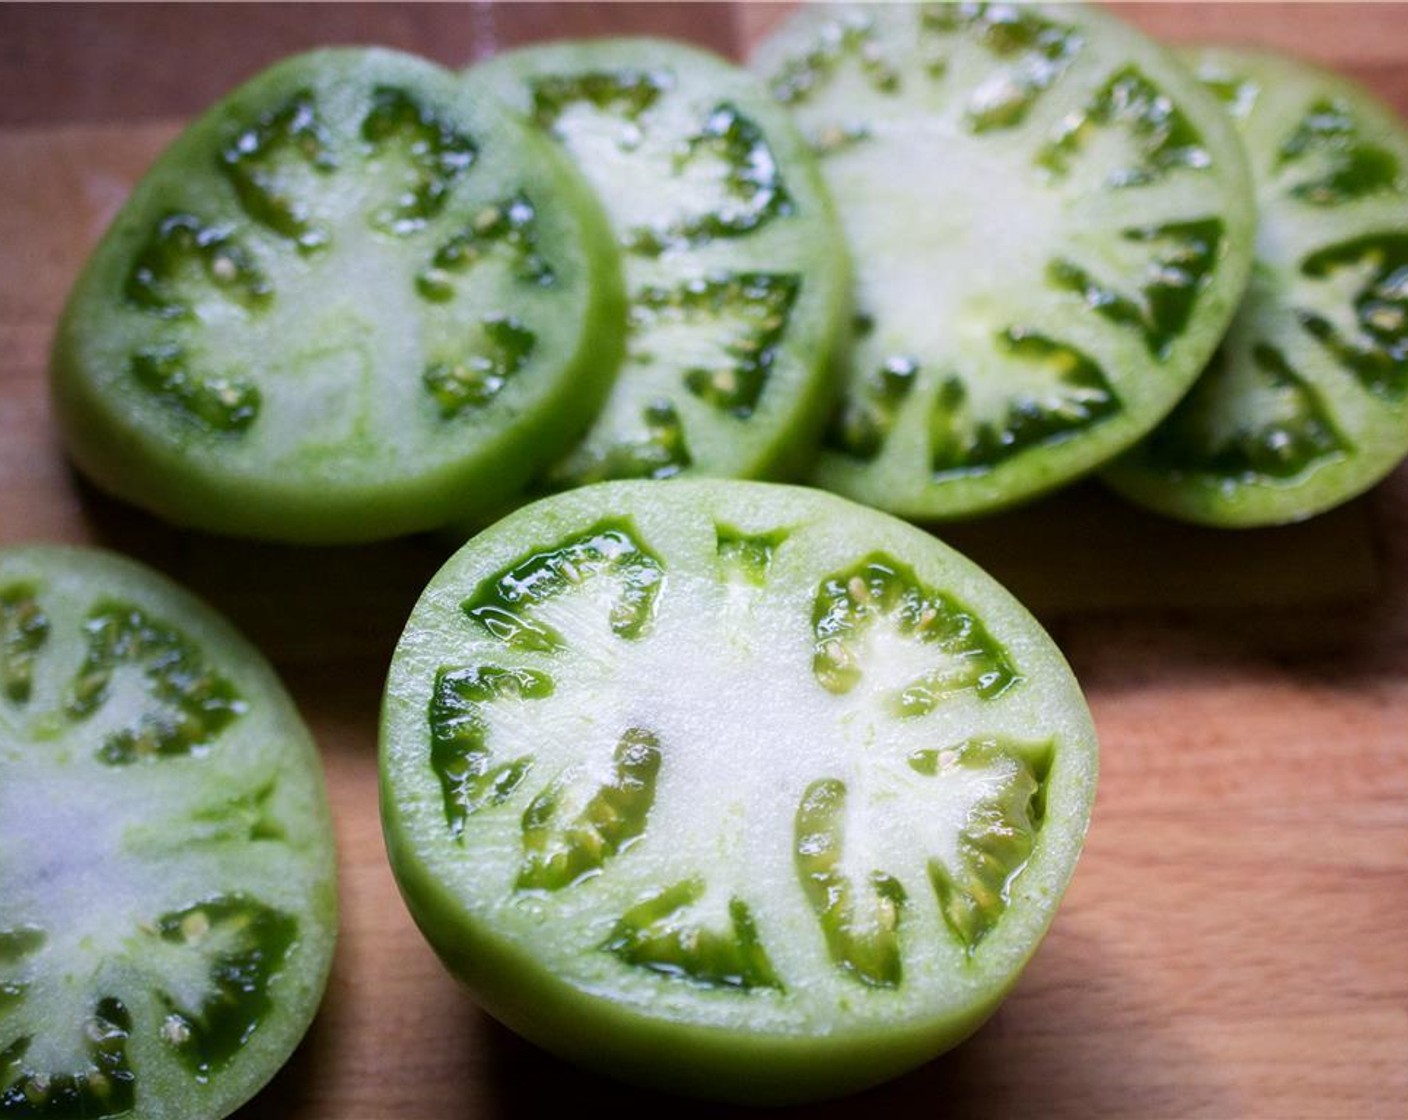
[732, 788]
[167, 884]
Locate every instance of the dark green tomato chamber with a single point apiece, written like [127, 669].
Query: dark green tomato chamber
[352, 300]
[735, 789]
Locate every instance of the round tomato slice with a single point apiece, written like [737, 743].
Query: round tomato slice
[736, 271]
[732, 788]
[167, 883]
[1306, 403]
[1051, 225]
[351, 301]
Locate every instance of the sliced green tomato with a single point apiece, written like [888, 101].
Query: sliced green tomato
[731, 788]
[1051, 225]
[351, 301]
[167, 884]
[1306, 403]
[735, 267]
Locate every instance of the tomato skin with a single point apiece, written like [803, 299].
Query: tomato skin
[775, 1043]
[598, 1035]
[717, 1064]
[336, 344]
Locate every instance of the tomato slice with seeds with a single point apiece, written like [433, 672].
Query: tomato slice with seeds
[1051, 225]
[351, 301]
[731, 788]
[735, 269]
[167, 883]
[1305, 404]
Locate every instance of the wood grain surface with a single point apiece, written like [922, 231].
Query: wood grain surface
[1234, 942]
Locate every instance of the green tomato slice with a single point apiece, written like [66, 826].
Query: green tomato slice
[1051, 226]
[167, 882]
[1305, 404]
[735, 267]
[351, 301]
[732, 788]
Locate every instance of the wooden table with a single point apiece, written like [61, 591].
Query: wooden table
[1234, 942]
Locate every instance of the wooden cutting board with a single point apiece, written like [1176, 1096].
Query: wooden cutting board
[1234, 943]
